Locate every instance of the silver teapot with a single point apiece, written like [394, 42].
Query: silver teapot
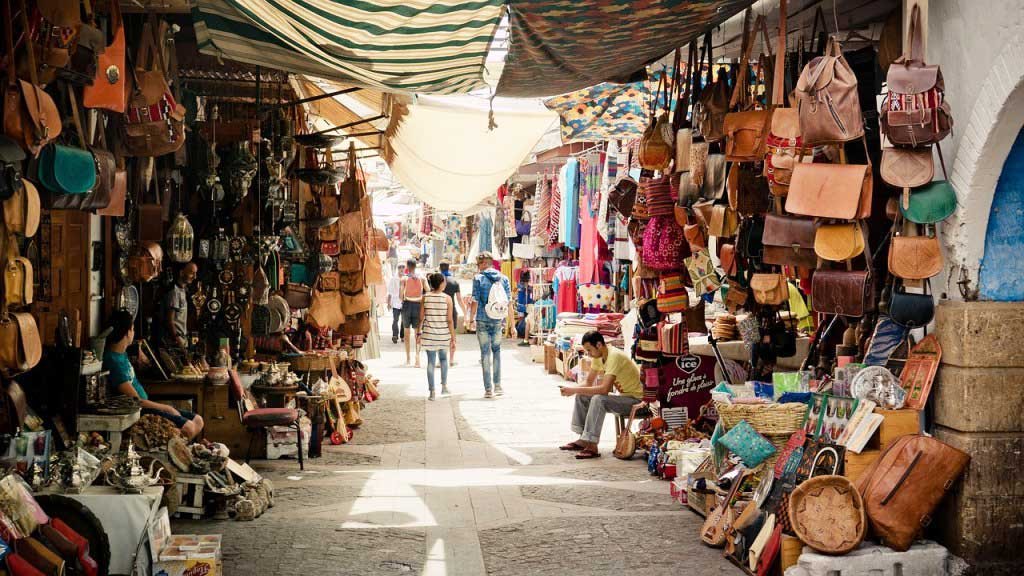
[128, 475]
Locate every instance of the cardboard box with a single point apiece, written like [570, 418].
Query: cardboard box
[183, 554]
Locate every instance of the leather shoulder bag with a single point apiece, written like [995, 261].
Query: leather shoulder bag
[154, 120]
[769, 289]
[748, 190]
[108, 89]
[841, 191]
[789, 241]
[839, 242]
[713, 103]
[911, 310]
[915, 257]
[848, 293]
[325, 309]
[30, 116]
[20, 345]
[746, 129]
[827, 99]
[21, 211]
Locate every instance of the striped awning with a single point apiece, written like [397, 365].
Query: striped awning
[427, 46]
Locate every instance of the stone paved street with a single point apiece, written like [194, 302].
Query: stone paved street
[468, 486]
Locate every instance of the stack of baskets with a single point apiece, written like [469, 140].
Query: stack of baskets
[776, 422]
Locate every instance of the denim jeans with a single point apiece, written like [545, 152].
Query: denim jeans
[588, 413]
[488, 334]
[396, 324]
[431, 356]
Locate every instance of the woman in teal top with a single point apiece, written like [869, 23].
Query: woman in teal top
[122, 377]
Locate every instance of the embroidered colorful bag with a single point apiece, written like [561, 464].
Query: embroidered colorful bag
[663, 244]
[674, 339]
[672, 295]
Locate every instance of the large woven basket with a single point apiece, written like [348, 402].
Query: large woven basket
[827, 513]
[767, 419]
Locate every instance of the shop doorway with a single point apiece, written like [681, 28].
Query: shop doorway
[1001, 276]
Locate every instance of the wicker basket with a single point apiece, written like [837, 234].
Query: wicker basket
[767, 419]
[827, 513]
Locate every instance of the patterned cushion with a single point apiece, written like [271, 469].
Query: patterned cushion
[262, 417]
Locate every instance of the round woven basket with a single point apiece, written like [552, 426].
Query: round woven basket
[767, 419]
[827, 514]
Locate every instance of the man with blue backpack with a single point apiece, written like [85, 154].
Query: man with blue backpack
[491, 296]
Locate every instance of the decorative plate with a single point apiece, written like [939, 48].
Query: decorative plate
[128, 299]
[877, 383]
[827, 514]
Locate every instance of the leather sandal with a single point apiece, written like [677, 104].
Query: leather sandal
[587, 454]
[571, 446]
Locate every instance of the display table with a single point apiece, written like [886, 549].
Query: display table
[125, 518]
[112, 424]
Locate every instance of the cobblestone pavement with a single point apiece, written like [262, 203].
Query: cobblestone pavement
[468, 486]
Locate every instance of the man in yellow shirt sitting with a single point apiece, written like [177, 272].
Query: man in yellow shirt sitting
[610, 370]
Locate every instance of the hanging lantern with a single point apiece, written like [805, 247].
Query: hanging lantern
[221, 249]
[180, 238]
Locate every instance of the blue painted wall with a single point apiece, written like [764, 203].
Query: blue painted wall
[1002, 268]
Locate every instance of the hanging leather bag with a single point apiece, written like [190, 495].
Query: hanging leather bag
[912, 310]
[11, 159]
[915, 111]
[358, 325]
[839, 242]
[931, 203]
[20, 345]
[154, 120]
[789, 241]
[915, 257]
[118, 192]
[827, 100]
[325, 309]
[840, 191]
[783, 144]
[746, 129]
[769, 289]
[21, 211]
[89, 45]
[906, 168]
[31, 117]
[714, 177]
[904, 486]
[108, 89]
[748, 190]
[848, 293]
[623, 196]
[724, 222]
[17, 276]
[353, 303]
[298, 296]
[106, 172]
[713, 103]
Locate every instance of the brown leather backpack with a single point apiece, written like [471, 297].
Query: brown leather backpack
[827, 100]
[905, 485]
[713, 104]
[154, 120]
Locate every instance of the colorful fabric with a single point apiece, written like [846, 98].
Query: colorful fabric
[569, 214]
[606, 111]
[596, 297]
[557, 46]
[556, 212]
[540, 232]
[392, 45]
[590, 181]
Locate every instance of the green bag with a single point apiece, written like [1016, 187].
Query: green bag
[66, 170]
[931, 203]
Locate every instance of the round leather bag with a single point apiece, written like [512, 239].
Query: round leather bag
[827, 513]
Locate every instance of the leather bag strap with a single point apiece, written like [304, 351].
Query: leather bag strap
[741, 90]
[12, 79]
[29, 50]
[915, 42]
[779, 76]
[76, 117]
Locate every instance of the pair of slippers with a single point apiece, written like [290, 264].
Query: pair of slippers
[581, 452]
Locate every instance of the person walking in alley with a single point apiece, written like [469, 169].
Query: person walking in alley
[452, 289]
[411, 293]
[491, 296]
[436, 330]
[395, 302]
[610, 370]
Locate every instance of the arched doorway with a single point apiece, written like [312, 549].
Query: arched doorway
[1001, 276]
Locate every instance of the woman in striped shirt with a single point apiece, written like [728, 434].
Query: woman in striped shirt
[436, 330]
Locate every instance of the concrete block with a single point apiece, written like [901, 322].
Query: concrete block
[996, 462]
[925, 558]
[979, 399]
[981, 334]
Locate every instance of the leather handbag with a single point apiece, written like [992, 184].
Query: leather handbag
[11, 159]
[108, 89]
[724, 222]
[118, 194]
[915, 111]
[931, 203]
[769, 289]
[357, 325]
[736, 296]
[21, 211]
[905, 484]
[66, 170]
[379, 240]
[356, 302]
[18, 282]
[907, 167]
[147, 262]
[843, 292]
[20, 345]
[827, 100]
[713, 186]
[623, 196]
[748, 190]
[328, 281]
[915, 257]
[911, 310]
[298, 296]
[625, 443]
[31, 117]
[839, 242]
[350, 281]
[325, 309]
[713, 103]
[351, 189]
[90, 43]
[373, 269]
[693, 230]
[746, 135]
[727, 258]
[789, 241]
[841, 191]
[106, 172]
[153, 120]
[350, 259]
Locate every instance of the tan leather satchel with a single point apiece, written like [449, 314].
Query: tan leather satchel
[31, 117]
[625, 444]
[724, 222]
[789, 241]
[907, 168]
[841, 191]
[21, 210]
[18, 282]
[839, 242]
[905, 485]
[915, 257]
[745, 134]
[769, 289]
[20, 345]
[354, 303]
[325, 310]
[827, 99]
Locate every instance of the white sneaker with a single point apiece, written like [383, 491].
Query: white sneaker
[432, 396]
[488, 394]
[498, 391]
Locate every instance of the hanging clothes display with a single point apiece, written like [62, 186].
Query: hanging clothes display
[564, 284]
[486, 234]
[621, 242]
[569, 180]
[500, 236]
[590, 181]
[539, 231]
[508, 207]
[609, 171]
[555, 202]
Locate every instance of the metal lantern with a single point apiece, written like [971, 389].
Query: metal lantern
[180, 238]
[221, 249]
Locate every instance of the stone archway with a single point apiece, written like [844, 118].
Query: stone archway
[988, 135]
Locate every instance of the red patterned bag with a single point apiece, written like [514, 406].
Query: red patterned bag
[664, 246]
[652, 381]
[674, 339]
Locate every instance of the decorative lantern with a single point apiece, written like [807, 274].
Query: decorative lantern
[221, 249]
[180, 238]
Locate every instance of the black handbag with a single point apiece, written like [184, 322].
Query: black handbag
[11, 158]
[912, 310]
